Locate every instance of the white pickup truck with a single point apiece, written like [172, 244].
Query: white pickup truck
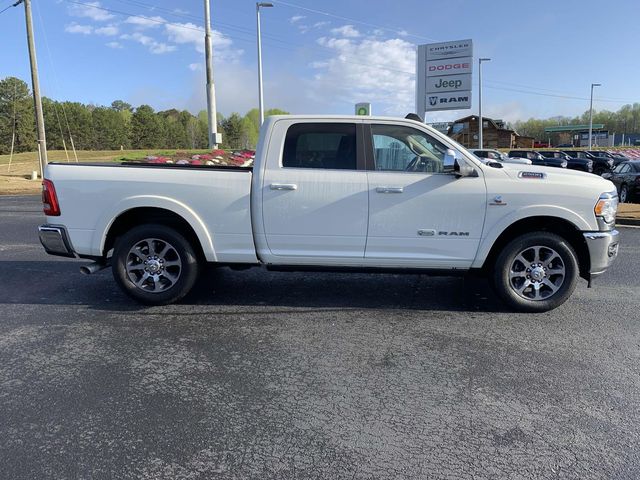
[339, 193]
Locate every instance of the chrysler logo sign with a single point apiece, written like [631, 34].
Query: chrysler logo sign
[461, 48]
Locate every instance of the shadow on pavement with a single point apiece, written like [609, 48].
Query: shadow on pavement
[60, 283]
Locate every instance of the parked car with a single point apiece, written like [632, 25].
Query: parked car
[601, 163]
[626, 178]
[619, 157]
[336, 193]
[538, 159]
[498, 156]
[582, 164]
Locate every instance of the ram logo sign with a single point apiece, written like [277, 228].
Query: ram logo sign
[449, 101]
[453, 234]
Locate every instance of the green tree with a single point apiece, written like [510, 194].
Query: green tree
[80, 124]
[110, 130]
[120, 106]
[146, 128]
[15, 94]
[233, 132]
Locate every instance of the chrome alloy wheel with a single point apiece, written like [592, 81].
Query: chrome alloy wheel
[537, 273]
[153, 265]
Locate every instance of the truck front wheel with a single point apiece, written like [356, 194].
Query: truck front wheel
[536, 272]
[154, 264]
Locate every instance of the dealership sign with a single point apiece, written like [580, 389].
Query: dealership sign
[443, 76]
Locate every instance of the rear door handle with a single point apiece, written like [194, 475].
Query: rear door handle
[389, 189]
[283, 186]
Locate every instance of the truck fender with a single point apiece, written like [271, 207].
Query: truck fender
[498, 228]
[140, 201]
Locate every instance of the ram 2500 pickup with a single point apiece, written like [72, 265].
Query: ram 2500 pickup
[337, 193]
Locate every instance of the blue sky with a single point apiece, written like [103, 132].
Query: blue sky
[322, 57]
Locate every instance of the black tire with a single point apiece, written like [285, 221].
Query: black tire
[543, 298]
[173, 282]
[624, 194]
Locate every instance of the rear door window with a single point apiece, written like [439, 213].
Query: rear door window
[321, 145]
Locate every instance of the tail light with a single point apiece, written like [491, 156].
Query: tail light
[50, 199]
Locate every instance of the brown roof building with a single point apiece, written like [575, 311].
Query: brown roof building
[494, 133]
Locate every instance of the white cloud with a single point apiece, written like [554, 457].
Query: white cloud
[145, 22]
[368, 70]
[77, 28]
[188, 33]
[346, 31]
[90, 10]
[154, 46]
[195, 67]
[109, 30]
[320, 24]
[116, 45]
[296, 18]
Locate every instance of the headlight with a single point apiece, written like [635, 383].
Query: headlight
[607, 207]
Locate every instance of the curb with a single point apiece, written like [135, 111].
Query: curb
[628, 221]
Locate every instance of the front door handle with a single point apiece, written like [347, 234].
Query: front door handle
[283, 186]
[389, 189]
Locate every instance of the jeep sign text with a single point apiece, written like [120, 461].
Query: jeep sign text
[449, 83]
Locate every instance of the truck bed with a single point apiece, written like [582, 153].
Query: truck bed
[215, 200]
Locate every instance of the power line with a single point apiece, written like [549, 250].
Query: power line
[354, 20]
[9, 6]
[55, 107]
[567, 97]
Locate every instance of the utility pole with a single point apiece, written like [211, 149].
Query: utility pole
[591, 114]
[35, 85]
[260, 95]
[480, 125]
[214, 137]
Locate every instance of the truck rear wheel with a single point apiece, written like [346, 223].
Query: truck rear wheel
[154, 264]
[536, 272]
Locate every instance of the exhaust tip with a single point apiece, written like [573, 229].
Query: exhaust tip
[92, 268]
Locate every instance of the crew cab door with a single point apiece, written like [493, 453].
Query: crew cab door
[314, 194]
[420, 213]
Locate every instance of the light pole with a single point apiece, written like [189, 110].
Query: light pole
[591, 113]
[260, 96]
[480, 60]
[214, 137]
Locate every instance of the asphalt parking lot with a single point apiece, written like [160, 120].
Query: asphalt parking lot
[277, 376]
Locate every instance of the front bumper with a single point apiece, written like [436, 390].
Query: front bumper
[603, 250]
[55, 240]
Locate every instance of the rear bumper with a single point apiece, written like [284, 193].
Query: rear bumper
[55, 240]
[603, 250]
